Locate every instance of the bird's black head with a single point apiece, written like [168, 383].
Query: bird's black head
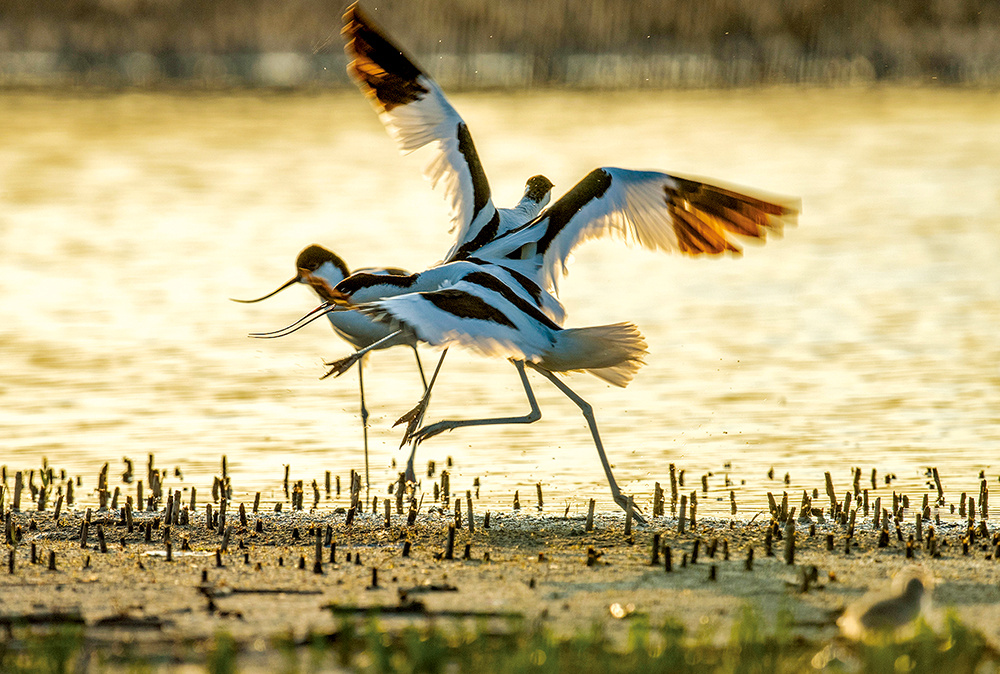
[315, 256]
[537, 187]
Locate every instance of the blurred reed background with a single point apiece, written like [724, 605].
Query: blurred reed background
[516, 43]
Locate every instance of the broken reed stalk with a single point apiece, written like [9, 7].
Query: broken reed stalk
[682, 518]
[628, 516]
[790, 541]
[831, 493]
[222, 516]
[590, 515]
[168, 513]
[468, 507]
[449, 552]
[538, 488]
[318, 564]
[673, 490]
[18, 488]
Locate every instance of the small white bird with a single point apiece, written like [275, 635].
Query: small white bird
[887, 613]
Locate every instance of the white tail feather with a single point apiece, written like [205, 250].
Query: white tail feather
[612, 352]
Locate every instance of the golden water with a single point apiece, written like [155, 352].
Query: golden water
[869, 336]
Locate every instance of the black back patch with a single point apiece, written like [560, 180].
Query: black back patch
[491, 282]
[485, 235]
[356, 282]
[466, 305]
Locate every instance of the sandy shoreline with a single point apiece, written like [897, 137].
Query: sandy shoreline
[522, 565]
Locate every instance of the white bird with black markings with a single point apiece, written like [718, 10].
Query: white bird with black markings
[356, 329]
[495, 292]
[359, 330]
[453, 165]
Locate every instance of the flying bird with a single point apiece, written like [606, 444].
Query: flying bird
[496, 291]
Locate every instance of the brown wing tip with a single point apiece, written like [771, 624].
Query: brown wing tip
[353, 17]
[382, 70]
[707, 217]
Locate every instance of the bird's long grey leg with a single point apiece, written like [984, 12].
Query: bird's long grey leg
[415, 417]
[420, 366]
[339, 367]
[411, 474]
[440, 427]
[364, 420]
[588, 413]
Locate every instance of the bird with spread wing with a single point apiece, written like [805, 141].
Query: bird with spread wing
[495, 292]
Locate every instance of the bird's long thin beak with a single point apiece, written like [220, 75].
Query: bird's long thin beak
[270, 294]
[318, 312]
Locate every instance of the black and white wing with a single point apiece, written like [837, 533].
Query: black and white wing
[481, 315]
[653, 210]
[416, 114]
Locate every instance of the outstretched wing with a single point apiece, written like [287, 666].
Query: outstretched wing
[645, 208]
[417, 114]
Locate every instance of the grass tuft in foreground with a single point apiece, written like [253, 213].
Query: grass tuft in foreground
[366, 644]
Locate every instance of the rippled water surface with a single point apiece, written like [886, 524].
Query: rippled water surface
[869, 336]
